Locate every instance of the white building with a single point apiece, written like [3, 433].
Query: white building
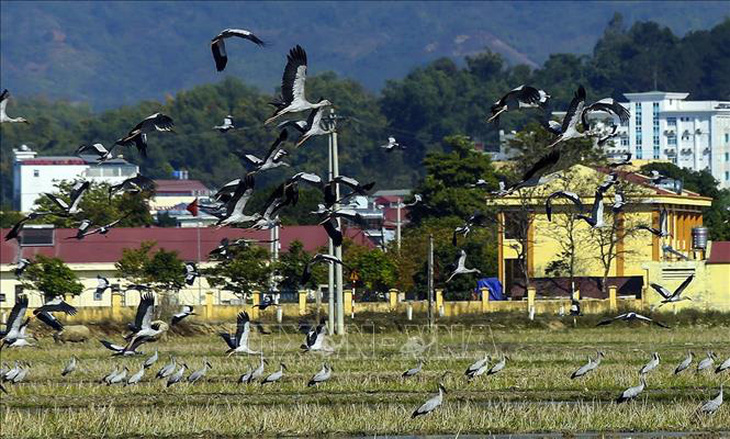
[665, 126]
[33, 176]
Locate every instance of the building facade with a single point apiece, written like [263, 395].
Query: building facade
[33, 176]
[666, 126]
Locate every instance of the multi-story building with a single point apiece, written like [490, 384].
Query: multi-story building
[666, 126]
[33, 176]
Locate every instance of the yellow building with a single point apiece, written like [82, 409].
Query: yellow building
[635, 257]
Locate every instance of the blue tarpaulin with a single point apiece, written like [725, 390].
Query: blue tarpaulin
[493, 285]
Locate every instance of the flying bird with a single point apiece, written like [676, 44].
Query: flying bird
[631, 316]
[318, 258]
[315, 339]
[15, 231]
[138, 183]
[392, 144]
[476, 219]
[191, 273]
[72, 207]
[143, 330]
[676, 295]
[218, 45]
[293, 99]
[606, 105]
[238, 342]
[21, 266]
[185, 311]
[57, 304]
[4, 118]
[569, 126]
[274, 158]
[595, 220]
[237, 203]
[97, 149]
[663, 230]
[461, 268]
[137, 136]
[314, 126]
[625, 161]
[520, 97]
[226, 126]
[570, 196]
[15, 322]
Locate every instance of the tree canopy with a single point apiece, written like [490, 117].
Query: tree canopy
[52, 277]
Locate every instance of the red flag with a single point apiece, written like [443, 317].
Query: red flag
[193, 207]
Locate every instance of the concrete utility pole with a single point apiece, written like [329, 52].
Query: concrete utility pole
[398, 223]
[338, 250]
[331, 252]
[430, 282]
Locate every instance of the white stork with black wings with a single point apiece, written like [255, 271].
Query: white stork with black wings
[102, 285]
[72, 207]
[392, 144]
[673, 297]
[461, 267]
[663, 230]
[57, 304]
[237, 203]
[137, 136]
[520, 97]
[315, 340]
[226, 126]
[274, 158]
[191, 273]
[318, 258]
[314, 126]
[14, 323]
[134, 185]
[569, 126]
[17, 228]
[4, 118]
[293, 99]
[218, 45]
[143, 330]
[595, 220]
[97, 149]
[238, 342]
[606, 105]
[571, 196]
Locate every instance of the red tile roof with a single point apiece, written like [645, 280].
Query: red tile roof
[643, 180]
[187, 187]
[98, 248]
[719, 253]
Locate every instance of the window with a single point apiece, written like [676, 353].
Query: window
[672, 140]
[639, 146]
[655, 128]
[624, 140]
[727, 138]
[727, 176]
[36, 173]
[2, 297]
[36, 236]
[727, 156]
[672, 122]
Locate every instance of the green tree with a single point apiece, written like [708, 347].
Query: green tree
[377, 270]
[162, 270]
[96, 207]
[52, 277]
[245, 271]
[291, 266]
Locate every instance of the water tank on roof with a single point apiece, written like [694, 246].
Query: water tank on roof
[699, 238]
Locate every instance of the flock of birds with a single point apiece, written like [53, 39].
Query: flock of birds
[230, 202]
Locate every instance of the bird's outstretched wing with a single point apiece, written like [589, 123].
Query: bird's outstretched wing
[295, 75]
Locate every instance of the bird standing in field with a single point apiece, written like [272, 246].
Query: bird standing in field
[151, 360]
[293, 98]
[323, 375]
[413, 371]
[218, 45]
[185, 311]
[433, 403]
[275, 376]
[684, 365]
[177, 376]
[707, 362]
[4, 118]
[651, 365]
[461, 268]
[477, 368]
[711, 406]
[70, 366]
[136, 377]
[588, 367]
[724, 366]
[200, 373]
[499, 366]
[119, 378]
[632, 392]
[167, 369]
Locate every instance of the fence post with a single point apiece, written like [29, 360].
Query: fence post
[612, 297]
[209, 305]
[531, 293]
[485, 300]
[117, 305]
[256, 298]
[393, 299]
[302, 302]
[439, 298]
[347, 299]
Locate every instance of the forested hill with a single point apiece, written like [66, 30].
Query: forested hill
[420, 109]
[115, 53]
